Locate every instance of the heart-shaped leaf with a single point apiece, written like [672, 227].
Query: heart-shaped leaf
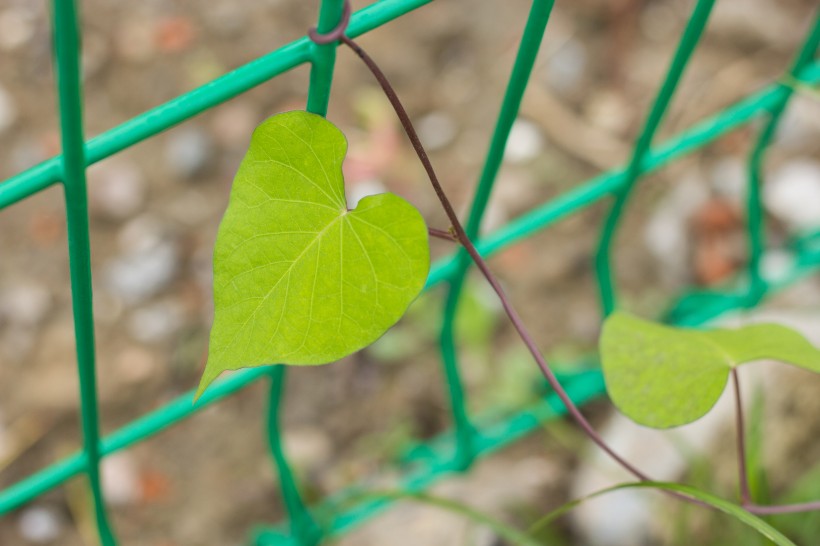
[662, 377]
[299, 278]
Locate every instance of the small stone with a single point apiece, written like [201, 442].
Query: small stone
[524, 143]
[174, 34]
[46, 227]
[8, 111]
[5, 443]
[566, 68]
[136, 364]
[155, 323]
[25, 153]
[142, 274]
[799, 128]
[149, 263]
[712, 261]
[659, 20]
[776, 265]
[107, 307]
[188, 152]
[135, 40]
[16, 28]
[120, 479]
[436, 130]
[190, 208]
[142, 233]
[233, 124]
[16, 344]
[716, 216]
[730, 178]
[40, 524]
[25, 303]
[95, 54]
[793, 194]
[609, 110]
[116, 190]
[226, 19]
[666, 233]
[308, 447]
[358, 191]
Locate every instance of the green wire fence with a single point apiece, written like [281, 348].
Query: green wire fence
[472, 436]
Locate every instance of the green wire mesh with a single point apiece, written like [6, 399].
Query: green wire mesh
[471, 436]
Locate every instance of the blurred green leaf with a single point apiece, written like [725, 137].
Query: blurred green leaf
[660, 376]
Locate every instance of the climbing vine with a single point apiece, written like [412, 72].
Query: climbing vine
[300, 279]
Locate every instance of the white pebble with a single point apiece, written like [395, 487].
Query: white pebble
[155, 323]
[308, 447]
[8, 110]
[233, 124]
[119, 479]
[436, 130]
[566, 68]
[5, 443]
[25, 303]
[525, 142]
[40, 525]
[776, 264]
[666, 232]
[148, 263]
[610, 111]
[142, 274]
[793, 194]
[188, 152]
[358, 191]
[142, 233]
[16, 28]
[117, 191]
[730, 178]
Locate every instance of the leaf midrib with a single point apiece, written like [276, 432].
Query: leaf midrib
[286, 273]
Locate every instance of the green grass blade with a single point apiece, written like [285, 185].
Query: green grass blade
[717, 503]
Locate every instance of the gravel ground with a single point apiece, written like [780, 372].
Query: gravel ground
[155, 209]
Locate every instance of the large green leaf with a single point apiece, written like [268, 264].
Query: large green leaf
[663, 377]
[299, 278]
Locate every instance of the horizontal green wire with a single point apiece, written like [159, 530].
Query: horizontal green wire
[190, 104]
[585, 195]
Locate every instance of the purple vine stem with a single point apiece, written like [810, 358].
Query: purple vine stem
[457, 234]
[462, 238]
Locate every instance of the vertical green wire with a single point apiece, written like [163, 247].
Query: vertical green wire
[525, 59]
[603, 260]
[754, 206]
[324, 58]
[67, 43]
[304, 528]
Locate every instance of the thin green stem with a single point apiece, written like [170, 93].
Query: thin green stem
[745, 494]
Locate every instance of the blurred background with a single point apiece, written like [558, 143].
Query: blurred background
[155, 210]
